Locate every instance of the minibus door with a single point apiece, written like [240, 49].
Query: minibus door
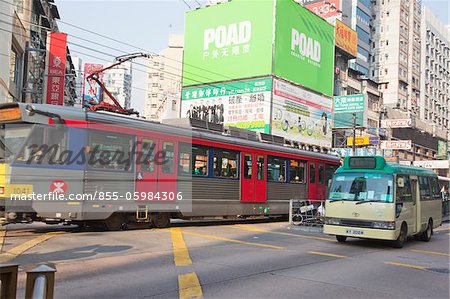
[416, 199]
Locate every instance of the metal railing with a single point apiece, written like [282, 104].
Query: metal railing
[40, 282]
[305, 212]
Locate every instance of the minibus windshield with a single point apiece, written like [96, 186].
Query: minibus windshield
[373, 187]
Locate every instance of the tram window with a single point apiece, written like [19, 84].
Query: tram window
[297, 171]
[276, 169]
[110, 151]
[435, 190]
[403, 192]
[193, 160]
[312, 173]
[247, 167]
[261, 168]
[45, 145]
[225, 163]
[321, 174]
[147, 155]
[168, 150]
[424, 187]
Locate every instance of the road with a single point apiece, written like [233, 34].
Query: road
[229, 260]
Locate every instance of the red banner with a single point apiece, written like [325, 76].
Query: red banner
[56, 68]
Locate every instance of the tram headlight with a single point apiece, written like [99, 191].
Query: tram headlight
[332, 221]
[384, 224]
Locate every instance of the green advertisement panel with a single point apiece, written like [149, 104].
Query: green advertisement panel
[228, 41]
[344, 107]
[442, 150]
[304, 47]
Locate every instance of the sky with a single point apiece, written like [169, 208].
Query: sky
[144, 24]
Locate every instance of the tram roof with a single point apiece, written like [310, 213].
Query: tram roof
[79, 114]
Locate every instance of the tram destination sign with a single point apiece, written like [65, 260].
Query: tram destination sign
[396, 144]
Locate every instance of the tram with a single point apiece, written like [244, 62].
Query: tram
[112, 160]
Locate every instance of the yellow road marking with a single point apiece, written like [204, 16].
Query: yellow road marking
[247, 227]
[18, 250]
[180, 251]
[405, 265]
[231, 240]
[189, 286]
[431, 252]
[327, 254]
[441, 229]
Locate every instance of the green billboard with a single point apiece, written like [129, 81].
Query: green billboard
[304, 47]
[228, 41]
[344, 107]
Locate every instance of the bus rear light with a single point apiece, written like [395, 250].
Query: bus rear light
[10, 114]
[2, 190]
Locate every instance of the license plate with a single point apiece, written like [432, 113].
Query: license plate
[18, 190]
[354, 232]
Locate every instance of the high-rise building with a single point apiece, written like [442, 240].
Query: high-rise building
[164, 82]
[26, 27]
[395, 60]
[118, 81]
[78, 68]
[357, 14]
[435, 77]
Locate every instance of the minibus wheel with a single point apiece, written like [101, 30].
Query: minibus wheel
[401, 237]
[426, 235]
[341, 239]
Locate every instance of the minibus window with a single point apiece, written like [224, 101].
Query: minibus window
[362, 187]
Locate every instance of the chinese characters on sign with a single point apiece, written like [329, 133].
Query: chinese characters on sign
[396, 144]
[56, 68]
[396, 123]
[91, 90]
[244, 104]
[346, 38]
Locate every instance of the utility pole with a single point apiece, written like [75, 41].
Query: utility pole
[354, 133]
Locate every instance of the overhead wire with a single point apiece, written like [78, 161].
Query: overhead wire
[139, 48]
[122, 51]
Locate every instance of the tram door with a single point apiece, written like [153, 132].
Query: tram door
[313, 186]
[155, 170]
[253, 180]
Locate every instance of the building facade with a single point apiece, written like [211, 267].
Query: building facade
[396, 51]
[435, 77]
[78, 68]
[164, 82]
[118, 81]
[25, 28]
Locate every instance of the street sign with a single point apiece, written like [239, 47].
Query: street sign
[358, 141]
[349, 104]
[396, 123]
[396, 144]
[373, 140]
[433, 164]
